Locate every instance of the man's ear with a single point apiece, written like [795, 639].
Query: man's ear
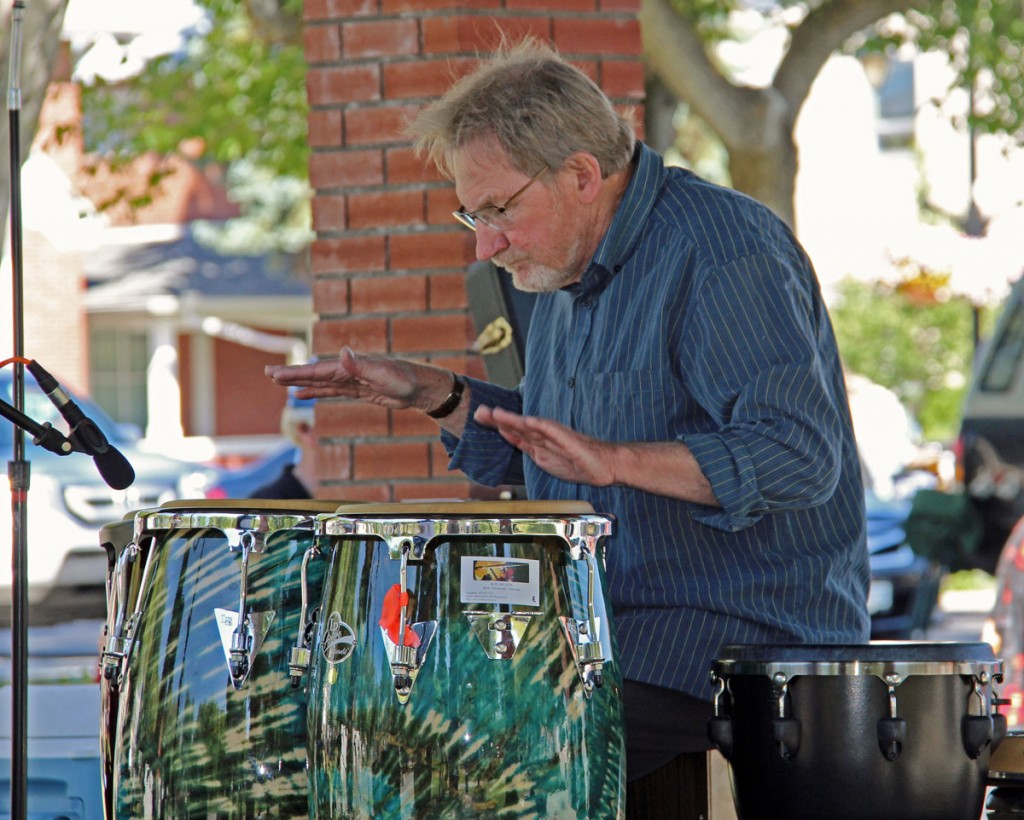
[586, 171]
[304, 431]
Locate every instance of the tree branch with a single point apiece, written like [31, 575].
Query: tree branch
[676, 53]
[824, 30]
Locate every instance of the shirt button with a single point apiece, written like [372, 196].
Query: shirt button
[571, 382]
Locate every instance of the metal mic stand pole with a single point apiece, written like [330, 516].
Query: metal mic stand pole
[18, 467]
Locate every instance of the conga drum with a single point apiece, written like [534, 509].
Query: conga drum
[857, 732]
[200, 646]
[464, 664]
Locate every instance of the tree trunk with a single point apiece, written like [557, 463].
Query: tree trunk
[769, 176]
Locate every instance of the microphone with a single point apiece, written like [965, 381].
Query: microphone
[85, 434]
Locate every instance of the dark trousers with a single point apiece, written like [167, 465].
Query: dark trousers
[666, 757]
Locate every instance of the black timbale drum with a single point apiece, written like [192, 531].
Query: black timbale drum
[883, 729]
[1006, 774]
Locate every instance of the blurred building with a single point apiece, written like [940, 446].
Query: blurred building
[126, 305]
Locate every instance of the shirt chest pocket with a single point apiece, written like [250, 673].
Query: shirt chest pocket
[631, 406]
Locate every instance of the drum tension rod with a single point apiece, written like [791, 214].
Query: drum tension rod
[119, 637]
[116, 644]
[979, 730]
[584, 636]
[404, 661]
[892, 729]
[298, 659]
[785, 730]
[591, 651]
[240, 640]
[720, 726]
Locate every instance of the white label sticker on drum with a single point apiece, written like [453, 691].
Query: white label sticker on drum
[486, 579]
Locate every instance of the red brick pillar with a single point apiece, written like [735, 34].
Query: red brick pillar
[389, 261]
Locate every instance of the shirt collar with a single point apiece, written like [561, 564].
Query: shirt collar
[627, 224]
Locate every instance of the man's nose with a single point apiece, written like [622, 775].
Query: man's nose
[489, 242]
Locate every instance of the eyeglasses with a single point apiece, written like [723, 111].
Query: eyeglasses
[493, 216]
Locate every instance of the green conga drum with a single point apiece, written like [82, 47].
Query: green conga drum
[464, 664]
[206, 623]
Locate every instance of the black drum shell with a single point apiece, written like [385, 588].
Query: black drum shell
[1006, 774]
[839, 770]
[1006, 765]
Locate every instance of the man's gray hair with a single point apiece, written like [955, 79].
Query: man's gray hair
[540, 108]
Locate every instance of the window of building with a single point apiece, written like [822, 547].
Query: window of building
[117, 373]
[894, 111]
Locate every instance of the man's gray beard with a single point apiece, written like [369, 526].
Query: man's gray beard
[542, 279]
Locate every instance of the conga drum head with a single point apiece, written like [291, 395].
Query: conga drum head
[465, 509]
[821, 657]
[465, 664]
[304, 507]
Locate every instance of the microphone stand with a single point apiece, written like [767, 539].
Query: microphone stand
[18, 469]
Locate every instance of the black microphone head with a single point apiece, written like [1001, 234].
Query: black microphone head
[115, 469]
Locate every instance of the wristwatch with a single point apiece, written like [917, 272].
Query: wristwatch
[447, 407]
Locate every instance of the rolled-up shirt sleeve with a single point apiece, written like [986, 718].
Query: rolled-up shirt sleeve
[753, 361]
[481, 453]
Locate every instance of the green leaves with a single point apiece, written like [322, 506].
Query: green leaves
[234, 94]
[920, 349]
[984, 41]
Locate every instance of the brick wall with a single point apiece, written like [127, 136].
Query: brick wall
[389, 261]
[53, 311]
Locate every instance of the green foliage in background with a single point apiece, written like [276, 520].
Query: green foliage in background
[984, 40]
[238, 92]
[921, 351]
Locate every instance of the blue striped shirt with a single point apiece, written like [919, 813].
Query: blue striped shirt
[700, 320]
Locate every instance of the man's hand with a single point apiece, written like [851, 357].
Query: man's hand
[662, 467]
[386, 382]
[555, 448]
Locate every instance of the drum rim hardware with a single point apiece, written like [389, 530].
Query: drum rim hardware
[117, 634]
[585, 636]
[581, 533]
[248, 629]
[883, 669]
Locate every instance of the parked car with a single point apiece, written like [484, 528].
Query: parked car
[67, 503]
[904, 584]
[990, 448]
[1004, 628]
[241, 481]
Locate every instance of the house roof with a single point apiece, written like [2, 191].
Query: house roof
[125, 276]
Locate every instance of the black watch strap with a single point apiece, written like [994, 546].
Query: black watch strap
[447, 407]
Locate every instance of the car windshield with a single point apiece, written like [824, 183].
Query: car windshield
[41, 410]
